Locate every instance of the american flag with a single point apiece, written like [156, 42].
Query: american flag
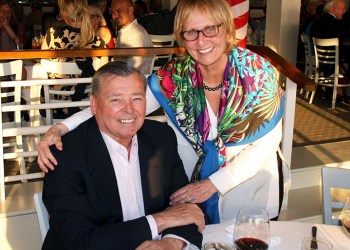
[240, 10]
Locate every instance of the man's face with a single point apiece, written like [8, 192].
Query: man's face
[120, 107]
[122, 13]
[339, 10]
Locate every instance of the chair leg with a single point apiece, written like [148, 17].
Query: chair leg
[312, 96]
[334, 98]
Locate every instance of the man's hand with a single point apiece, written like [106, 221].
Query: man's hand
[197, 192]
[163, 244]
[46, 160]
[180, 215]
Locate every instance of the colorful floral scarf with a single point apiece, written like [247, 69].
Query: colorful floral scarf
[251, 105]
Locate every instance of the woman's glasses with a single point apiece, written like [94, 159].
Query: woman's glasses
[209, 31]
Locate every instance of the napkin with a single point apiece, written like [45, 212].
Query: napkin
[274, 240]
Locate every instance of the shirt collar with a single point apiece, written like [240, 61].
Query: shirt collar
[113, 145]
[129, 26]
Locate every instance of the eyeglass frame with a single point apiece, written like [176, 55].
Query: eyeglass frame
[217, 27]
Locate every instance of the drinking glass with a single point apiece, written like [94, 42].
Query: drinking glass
[252, 229]
[345, 215]
[36, 41]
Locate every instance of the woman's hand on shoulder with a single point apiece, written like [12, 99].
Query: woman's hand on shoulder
[46, 160]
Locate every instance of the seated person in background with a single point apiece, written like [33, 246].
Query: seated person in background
[35, 17]
[157, 21]
[331, 25]
[116, 174]
[140, 8]
[103, 5]
[9, 35]
[78, 33]
[100, 27]
[131, 34]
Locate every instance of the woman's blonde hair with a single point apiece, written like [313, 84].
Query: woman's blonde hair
[97, 12]
[217, 10]
[77, 11]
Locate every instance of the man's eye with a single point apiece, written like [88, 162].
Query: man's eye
[191, 32]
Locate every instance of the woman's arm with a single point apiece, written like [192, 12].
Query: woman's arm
[247, 161]
[243, 162]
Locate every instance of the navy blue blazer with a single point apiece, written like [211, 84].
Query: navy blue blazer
[82, 196]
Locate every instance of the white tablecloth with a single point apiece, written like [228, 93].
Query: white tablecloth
[290, 233]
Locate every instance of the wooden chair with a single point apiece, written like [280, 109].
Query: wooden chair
[12, 96]
[327, 54]
[64, 94]
[333, 178]
[162, 41]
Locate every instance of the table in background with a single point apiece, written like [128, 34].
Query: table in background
[291, 234]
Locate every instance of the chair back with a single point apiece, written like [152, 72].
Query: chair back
[333, 178]
[310, 62]
[162, 41]
[64, 92]
[43, 216]
[12, 96]
[327, 65]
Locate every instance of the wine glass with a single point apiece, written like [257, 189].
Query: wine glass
[36, 41]
[345, 215]
[252, 229]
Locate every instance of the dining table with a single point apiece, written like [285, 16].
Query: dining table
[284, 235]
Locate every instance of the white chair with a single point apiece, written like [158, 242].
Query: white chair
[41, 212]
[310, 62]
[162, 41]
[63, 69]
[327, 54]
[333, 178]
[13, 70]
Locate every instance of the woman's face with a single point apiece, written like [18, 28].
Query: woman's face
[207, 51]
[5, 12]
[94, 20]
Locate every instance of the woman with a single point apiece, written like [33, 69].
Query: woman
[225, 105]
[77, 34]
[10, 28]
[100, 26]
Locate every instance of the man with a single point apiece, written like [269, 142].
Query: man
[116, 168]
[331, 25]
[131, 34]
[157, 21]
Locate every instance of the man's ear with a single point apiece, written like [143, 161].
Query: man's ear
[93, 104]
[131, 11]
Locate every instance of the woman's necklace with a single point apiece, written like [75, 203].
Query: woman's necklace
[213, 88]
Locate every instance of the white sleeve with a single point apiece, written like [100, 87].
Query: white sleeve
[152, 103]
[73, 121]
[244, 162]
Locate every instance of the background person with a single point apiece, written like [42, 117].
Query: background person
[225, 105]
[10, 28]
[116, 174]
[100, 26]
[131, 34]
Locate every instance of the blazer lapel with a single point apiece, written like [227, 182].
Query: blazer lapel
[101, 171]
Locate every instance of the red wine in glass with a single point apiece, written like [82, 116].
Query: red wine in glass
[250, 244]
